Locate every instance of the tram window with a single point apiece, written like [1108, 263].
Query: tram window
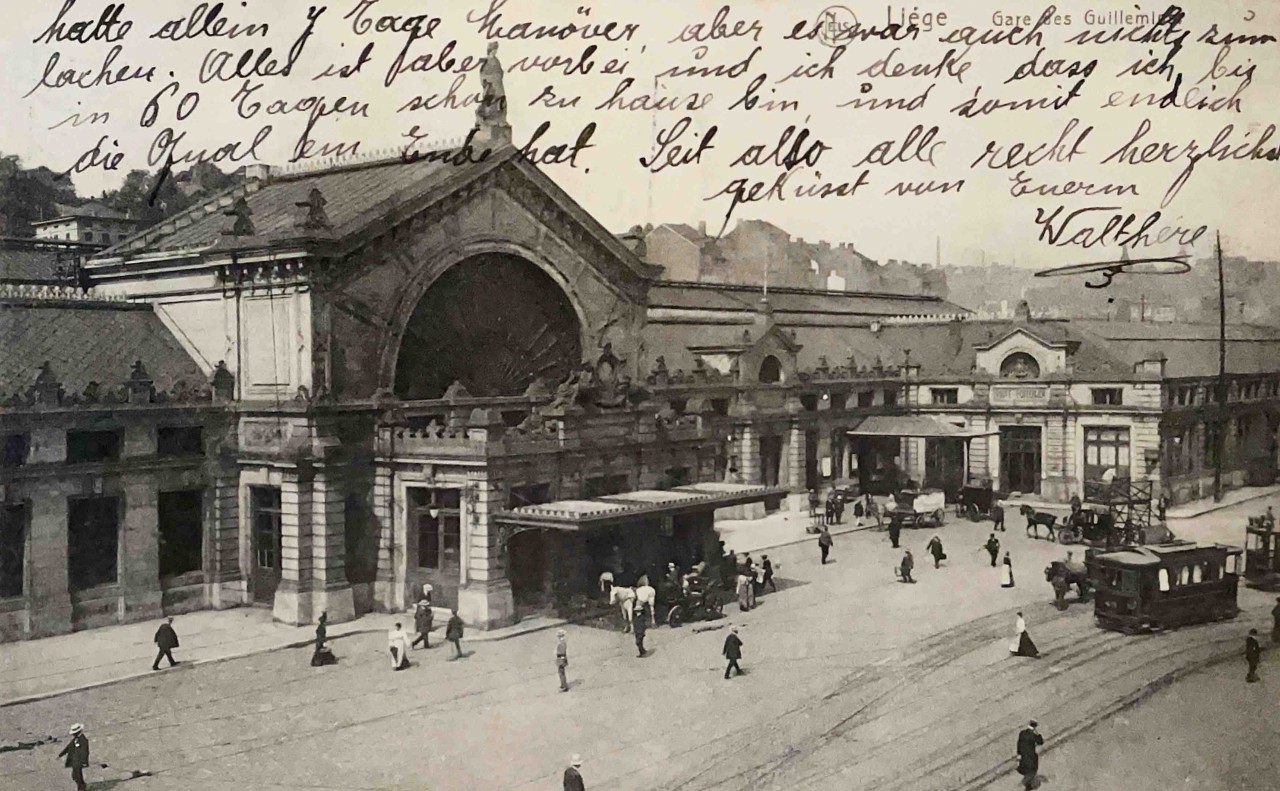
[1197, 572]
[1129, 581]
[1164, 579]
[1233, 564]
[1184, 575]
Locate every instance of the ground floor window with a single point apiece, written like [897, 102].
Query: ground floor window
[93, 541]
[181, 532]
[1105, 449]
[1179, 451]
[264, 504]
[1020, 459]
[13, 549]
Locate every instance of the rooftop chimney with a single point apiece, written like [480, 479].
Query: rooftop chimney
[702, 227]
[257, 172]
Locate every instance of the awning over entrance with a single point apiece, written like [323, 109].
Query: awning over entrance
[913, 426]
[646, 503]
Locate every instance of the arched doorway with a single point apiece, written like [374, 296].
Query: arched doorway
[494, 322]
[770, 370]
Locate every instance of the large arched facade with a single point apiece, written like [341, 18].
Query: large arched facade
[493, 322]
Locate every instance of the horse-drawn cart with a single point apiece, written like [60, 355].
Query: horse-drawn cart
[702, 600]
[921, 508]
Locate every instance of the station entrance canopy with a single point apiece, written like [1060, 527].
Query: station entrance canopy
[913, 426]
[614, 509]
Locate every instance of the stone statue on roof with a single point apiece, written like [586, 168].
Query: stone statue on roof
[491, 113]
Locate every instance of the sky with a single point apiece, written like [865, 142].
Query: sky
[980, 221]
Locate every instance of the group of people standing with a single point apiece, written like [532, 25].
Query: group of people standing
[398, 643]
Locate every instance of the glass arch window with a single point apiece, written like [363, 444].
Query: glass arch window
[1019, 365]
[770, 370]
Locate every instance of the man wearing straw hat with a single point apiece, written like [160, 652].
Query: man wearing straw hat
[572, 777]
[77, 753]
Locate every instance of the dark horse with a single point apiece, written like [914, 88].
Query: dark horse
[1037, 518]
[1074, 576]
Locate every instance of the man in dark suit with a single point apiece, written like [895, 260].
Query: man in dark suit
[77, 753]
[166, 641]
[572, 777]
[1252, 654]
[732, 652]
[1028, 761]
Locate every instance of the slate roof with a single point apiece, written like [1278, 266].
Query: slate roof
[88, 342]
[28, 264]
[789, 303]
[1191, 350]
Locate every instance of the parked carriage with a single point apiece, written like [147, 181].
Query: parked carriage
[702, 601]
[975, 501]
[921, 508]
[1164, 586]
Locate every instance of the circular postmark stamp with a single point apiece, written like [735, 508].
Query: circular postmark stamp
[834, 25]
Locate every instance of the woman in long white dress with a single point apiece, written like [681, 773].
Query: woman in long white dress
[398, 644]
[1006, 572]
[1022, 644]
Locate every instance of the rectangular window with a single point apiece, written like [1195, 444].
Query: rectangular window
[890, 397]
[91, 446]
[945, 395]
[1106, 449]
[16, 449]
[529, 494]
[13, 549]
[1108, 396]
[264, 506]
[181, 532]
[439, 517]
[180, 441]
[866, 398]
[604, 486]
[93, 541]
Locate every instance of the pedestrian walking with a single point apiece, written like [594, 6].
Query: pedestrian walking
[453, 633]
[562, 659]
[875, 511]
[743, 589]
[732, 652]
[767, 565]
[1022, 644]
[1252, 655]
[77, 754]
[1275, 621]
[895, 529]
[398, 645]
[813, 505]
[641, 618]
[1028, 761]
[423, 621]
[825, 543]
[573, 777]
[1006, 572]
[904, 568]
[997, 516]
[647, 597]
[993, 548]
[166, 640]
[322, 655]
[935, 548]
[839, 509]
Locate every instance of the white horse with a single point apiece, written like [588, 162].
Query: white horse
[625, 599]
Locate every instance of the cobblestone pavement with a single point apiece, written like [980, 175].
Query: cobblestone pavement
[853, 681]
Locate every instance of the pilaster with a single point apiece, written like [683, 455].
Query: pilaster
[49, 598]
[140, 571]
[331, 592]
[293, 596]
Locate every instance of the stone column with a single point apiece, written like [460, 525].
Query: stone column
[49, 597]
[293, 597]
[484, 599]
[227, 586]
[140, 597]
[749, 454]
[388, 586]
[331, 592]
[795, 458]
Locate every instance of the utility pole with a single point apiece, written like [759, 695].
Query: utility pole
[1220, 438]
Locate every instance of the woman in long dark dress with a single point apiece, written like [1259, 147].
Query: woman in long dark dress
[1022, 644]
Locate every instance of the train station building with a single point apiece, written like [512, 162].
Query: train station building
[322, 389]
